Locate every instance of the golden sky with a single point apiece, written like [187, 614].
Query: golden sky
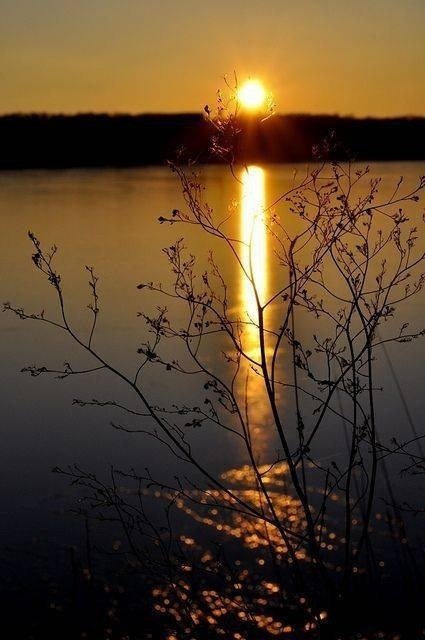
[335, 56]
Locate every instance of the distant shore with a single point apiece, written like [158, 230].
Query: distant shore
[31, 141]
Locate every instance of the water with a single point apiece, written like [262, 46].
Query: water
[109, 219]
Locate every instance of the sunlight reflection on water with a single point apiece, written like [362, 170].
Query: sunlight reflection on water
[108, 218]
[254, 238]
[122, 239]
[253, 292]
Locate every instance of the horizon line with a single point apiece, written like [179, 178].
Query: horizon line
[136, 114]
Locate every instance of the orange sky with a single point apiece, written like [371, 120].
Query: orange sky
[357, 57]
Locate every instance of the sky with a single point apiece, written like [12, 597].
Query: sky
[352, 57]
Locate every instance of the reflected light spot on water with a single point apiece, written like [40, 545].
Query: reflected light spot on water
[253, 235]
[253, 288]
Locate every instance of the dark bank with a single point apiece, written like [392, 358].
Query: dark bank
[102, 140]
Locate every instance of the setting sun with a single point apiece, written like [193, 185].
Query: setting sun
[252, 95]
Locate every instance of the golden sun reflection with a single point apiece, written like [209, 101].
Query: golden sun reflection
[253, 236]
[248, 594]
[253, 291]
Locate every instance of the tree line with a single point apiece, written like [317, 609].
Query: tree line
[97, 140]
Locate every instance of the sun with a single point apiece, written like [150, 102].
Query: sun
[252, 95]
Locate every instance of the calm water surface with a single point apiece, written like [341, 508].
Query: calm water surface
[108, 219]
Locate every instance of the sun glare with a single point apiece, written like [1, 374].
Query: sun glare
[252, 95]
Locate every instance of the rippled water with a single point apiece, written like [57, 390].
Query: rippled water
[108, 219]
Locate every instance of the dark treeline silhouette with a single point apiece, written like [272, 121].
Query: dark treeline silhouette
[97, 140]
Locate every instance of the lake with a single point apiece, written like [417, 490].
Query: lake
[108, 219]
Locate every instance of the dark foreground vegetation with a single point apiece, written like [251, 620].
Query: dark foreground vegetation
[97, 140]
[299, 540]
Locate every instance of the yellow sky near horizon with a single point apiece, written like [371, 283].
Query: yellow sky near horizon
[316, 56]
